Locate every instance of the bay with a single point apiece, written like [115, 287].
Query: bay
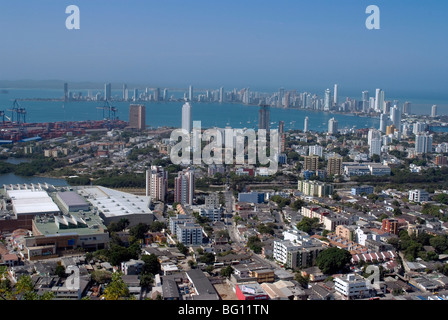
[169, 114]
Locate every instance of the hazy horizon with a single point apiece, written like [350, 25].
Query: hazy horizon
[264, 45]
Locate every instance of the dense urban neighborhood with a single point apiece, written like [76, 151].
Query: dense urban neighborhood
[349, 214]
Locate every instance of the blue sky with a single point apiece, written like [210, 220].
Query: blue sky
[295, 44]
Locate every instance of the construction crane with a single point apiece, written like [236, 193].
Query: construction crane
[110, 110]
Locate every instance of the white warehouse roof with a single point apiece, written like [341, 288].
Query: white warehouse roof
[32, 202]
[114, 203]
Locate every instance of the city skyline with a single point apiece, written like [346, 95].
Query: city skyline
[261, 45]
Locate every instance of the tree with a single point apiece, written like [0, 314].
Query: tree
[254, 244]
[266, 228]
[227, 271]
[439, 243]
[182, 248]
[298, 204]
[207, 258]
[156, 226]
[335, 196]
[151, 264]
[116, 289]
[308, 224]
[333, 260]
[138, 231]
[146, 280]
[25, 288]
[60, 271]
[101, 276]
[303, 281]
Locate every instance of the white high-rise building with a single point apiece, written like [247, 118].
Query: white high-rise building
[407, 108]
[107, 91]
[184, 187]
[375, 146]
[315, 150]
[332, 126]
[423, 143]
[395, 117]
[372, 103]
[373, 133]
[157, 179]
[365, 96]
[365, 101]
[418, 127]
[434, 111]
[190, 93]
[187, 123]
[379, 100]
[306, 125]
[327, 100]
[221, 95]
[335, 98]
[383, 122]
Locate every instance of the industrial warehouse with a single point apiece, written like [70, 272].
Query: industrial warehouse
[65, 218]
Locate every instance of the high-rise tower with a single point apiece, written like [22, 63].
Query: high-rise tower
[187, 123]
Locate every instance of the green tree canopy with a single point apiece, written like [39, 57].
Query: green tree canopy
[116, 289]
[333, 260]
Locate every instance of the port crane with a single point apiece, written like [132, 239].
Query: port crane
[109, 111]
[18, 113]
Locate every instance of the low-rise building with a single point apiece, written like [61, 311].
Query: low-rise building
[418, 195]
[352, 286]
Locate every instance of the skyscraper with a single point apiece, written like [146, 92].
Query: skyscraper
[158, 183]
[65, 91]
[332, 126]
[374, 141]
[135, 94]
[407, 108]
[335, 98]
[187, 123]
[125, 92]
[306, 125]
[365, 96]
[137, 116]
[365, 101]
[157, 94]
[423, 143]
[281, 135]
[107, 91]
[264, 117]
[395, 116]
[327, 100]
[383, 122]
[190, 93]
[286, 99]
[379, 100]
[165, 94]
[184, 187]
[221, 95]
[434, 111]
